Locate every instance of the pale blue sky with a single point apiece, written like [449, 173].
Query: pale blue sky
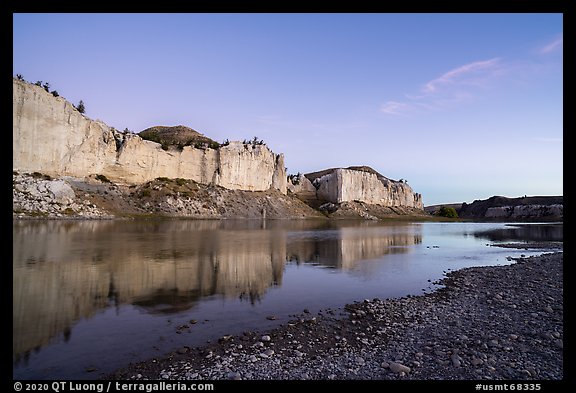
[463, 106]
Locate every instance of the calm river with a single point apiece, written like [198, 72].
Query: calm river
[92, 296]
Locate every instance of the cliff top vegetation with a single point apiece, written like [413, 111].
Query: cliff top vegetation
[178, 136]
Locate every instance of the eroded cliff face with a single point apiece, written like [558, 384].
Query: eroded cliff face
[345, 185]
[50, 136]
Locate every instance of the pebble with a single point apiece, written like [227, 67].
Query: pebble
[399, 368]
[455, 360]
[267, 353]
[559, 344]
[234, 376]
[265, 338]
[476, 362]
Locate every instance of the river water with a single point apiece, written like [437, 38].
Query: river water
[92, 296]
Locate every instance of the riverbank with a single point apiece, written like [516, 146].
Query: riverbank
[500, 322]
[39, 196]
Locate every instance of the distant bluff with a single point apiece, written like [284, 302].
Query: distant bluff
[541, 208]
[50, 136]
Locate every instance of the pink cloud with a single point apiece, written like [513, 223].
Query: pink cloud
[394, 107]
[552, 46]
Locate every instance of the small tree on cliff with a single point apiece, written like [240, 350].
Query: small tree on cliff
[80, 107]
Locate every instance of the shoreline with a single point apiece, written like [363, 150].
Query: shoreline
[496, 322]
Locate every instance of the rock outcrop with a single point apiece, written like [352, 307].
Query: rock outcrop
[546, 208]
[363, 184]
[300, 185]
[532, 211]
[50, 136]
[41, 196]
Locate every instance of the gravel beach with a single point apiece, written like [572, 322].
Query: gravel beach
[493, 323]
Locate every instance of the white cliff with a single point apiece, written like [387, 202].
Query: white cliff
[50, 136]
[345, 185]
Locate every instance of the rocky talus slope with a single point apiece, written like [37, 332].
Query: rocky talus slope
[37, 195]
[40, 196]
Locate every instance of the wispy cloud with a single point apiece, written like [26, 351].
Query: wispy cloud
[450, 88]
[394, 107]
[465, 74]
[552, 46]
[469, 81]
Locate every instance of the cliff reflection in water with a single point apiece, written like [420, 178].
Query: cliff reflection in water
[67, 271]
[349, 245]
[525, 232]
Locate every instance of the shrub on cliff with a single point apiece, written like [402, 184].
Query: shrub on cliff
[449, 212]
[254, 142]
[103, 179]
[295, 179]
[80, 107]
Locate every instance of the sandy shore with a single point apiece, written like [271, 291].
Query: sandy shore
[495, 323]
